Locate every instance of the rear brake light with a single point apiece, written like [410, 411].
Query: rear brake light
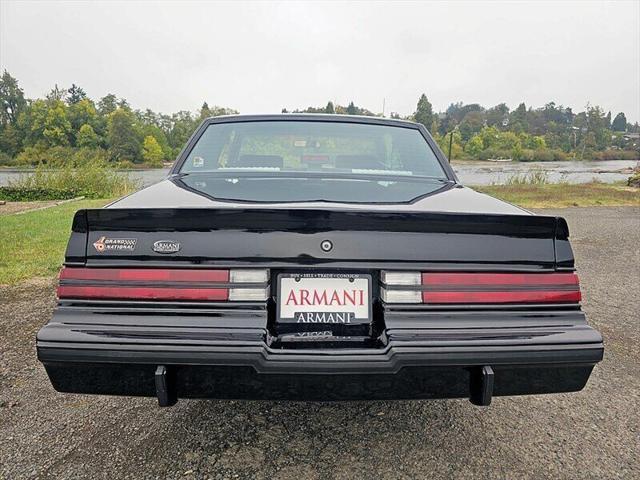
[482, 288]
[163, 284]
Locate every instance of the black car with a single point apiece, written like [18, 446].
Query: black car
[316, 257]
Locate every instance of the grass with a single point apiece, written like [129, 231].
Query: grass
[565, 195]
[33, 244]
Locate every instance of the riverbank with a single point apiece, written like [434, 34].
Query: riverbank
[565, 195]
[472, 172]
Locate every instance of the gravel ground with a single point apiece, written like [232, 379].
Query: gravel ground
[591, 434]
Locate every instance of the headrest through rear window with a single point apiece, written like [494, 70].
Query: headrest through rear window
[260, 161]
[367, 162]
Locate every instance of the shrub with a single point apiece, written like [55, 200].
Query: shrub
[125, 165]
[559, 155]
[616, 155]
[493, 153]
[94, 179]
[474, 146]
[19, 194]
[534, 177]
[525, 155]
[5, 159]
[543, 155]
[51, 156]
[86, 156]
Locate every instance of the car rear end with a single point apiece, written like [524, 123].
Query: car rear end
[317, 304]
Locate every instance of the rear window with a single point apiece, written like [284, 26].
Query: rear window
[326, 149]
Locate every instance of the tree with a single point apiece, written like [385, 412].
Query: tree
[81, 113]
[205, 111]
[518, 119]
[183, 125]
[329, 108]
[10, 140]
[57, 94]
[158, 134]
[152, 152]
[351, 109]
[497, 115]
[474, 146]
[471, 124]
[87, 137]
[424, 112]
[122, 139]
[108, 104]
[619, 123]
[75, 94]
[12, 100]
[57, 128]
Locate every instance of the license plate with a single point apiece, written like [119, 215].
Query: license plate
[324, 298]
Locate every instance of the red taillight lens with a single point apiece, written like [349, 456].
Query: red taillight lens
[144, 275]
[142, 293]
[500, 288]
[485, 288]
[163, 284]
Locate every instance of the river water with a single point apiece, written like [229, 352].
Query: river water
[477, 173]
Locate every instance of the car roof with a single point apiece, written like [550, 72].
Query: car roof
[313, 117]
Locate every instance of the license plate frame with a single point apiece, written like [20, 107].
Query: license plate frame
[327, 278]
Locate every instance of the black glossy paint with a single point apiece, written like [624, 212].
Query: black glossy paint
[282, 237]
[223, 350]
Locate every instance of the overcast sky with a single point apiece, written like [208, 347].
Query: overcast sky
[261, 57]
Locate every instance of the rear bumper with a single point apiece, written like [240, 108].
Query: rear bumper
[227, 356]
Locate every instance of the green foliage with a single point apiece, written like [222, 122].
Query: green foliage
[10, 140]
[329, 108]
[474, 146]
[108, 104]
[83, 112]
[471, 124]
[6, 160]
[424, 112]
[23, 194]
[123, 141]
[75, 94]
[619, 123]
[12, 101]
[151, 152]
[94, 179]
[535, 177]
[87, 137]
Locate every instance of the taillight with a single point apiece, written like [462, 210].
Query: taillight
[163, 284]
[479, 288]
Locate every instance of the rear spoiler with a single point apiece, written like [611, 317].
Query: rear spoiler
[255, 228]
